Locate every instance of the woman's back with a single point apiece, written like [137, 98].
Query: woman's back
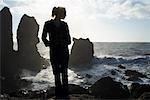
[58, 33]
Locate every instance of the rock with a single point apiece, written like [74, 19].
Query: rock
[107, 88]
[145, 96]
[137, 89]
[8, 63]
[81, 52]
[132, 78]
[27, 56]
[134, 73]
[122, 67]
[27, 37]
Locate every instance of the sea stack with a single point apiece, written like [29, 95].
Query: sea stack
[27, 38]
[7, 61]
[27, 57]
[82, 52]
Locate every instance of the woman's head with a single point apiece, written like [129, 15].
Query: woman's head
[59, 12]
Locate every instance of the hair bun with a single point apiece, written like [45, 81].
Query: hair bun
[54, 11]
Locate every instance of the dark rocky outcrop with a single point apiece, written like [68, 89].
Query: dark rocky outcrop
[8, 58]
[137, 89]
[82, 52]
[27, 56]
[107, 88]
[27, 37]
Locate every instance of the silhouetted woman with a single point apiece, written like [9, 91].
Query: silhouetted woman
[59, 39]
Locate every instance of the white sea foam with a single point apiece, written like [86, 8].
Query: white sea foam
[45, 77]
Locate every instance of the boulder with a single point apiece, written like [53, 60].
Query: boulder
[137, 89]
[107, 88]
[82, 52]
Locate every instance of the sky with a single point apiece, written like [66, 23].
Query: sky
[98, 20]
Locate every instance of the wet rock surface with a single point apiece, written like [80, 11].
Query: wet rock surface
[105, 88]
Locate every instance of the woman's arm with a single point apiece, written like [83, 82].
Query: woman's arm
[44, 35]
[68, 35]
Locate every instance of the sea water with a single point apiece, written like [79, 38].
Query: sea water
[107, 56]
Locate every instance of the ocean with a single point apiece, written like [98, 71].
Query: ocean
[107, 57]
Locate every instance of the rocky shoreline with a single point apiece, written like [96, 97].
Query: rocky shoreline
[105, 88]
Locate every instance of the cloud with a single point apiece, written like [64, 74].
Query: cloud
[17, 3]
[98, 8]
[84, 17]
[2, 4]
[120, 8]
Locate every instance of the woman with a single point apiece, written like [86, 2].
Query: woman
[59, 39]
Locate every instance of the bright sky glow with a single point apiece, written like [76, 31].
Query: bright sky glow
[99, 20]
